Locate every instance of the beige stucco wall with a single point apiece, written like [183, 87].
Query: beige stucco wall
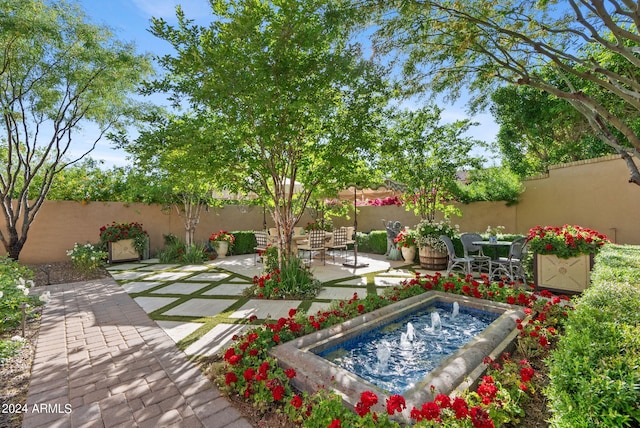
[593, 193]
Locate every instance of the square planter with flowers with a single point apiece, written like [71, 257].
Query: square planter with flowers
[124, 241]
[563, 256]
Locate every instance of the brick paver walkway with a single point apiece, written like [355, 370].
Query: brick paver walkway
[102, 362]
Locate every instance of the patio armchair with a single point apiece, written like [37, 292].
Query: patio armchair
[511, 266]
[339, 242]
[316, 243]
[480, 262]
[261, 245]
[453, 260]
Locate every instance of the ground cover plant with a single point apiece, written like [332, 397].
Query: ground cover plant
[248, 371]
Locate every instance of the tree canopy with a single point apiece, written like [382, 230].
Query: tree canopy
[592, 45]
[294, 106]
[58, 73]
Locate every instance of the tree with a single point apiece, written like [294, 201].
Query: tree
[57, 73]
[176, 163]
[538, 130]
[296, 106]
[591, 44]
[428, 156]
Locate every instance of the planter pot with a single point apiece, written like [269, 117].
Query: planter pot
[432, 259]
[122, 251]
[222, 247]
[572, 274]
[408, 253]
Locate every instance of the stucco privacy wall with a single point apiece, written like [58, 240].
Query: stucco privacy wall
[593, 193]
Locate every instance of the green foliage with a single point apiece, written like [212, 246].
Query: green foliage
[87, 258]
[60, 73]
[618, 264]
[8, 348]
[377, 242]
[538, 130]
[245, 242]
[176, 251]
[293, 280]
[594, 371]
[491, 184]
[427, 156]
[14, 292]
[288, 98]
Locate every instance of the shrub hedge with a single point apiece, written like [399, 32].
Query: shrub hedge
[595, 371]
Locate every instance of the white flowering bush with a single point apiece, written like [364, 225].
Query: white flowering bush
[429, 234]
[87, 257]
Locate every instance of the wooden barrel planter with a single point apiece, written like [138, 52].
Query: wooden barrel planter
[433, 260]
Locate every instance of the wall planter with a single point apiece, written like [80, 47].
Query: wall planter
[122, 251]
[433, 259]
[571, 274]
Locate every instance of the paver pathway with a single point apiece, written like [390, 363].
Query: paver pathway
[102, 362]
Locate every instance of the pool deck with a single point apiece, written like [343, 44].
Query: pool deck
[102, 361]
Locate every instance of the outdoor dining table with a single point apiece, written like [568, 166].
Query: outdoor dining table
[495, 245]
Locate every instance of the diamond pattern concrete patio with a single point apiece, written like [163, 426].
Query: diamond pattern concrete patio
[100, 353]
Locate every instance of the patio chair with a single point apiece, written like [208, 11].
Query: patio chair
[339, 242]
[511, 266]
[314, 244]
[261, 245]
[480, 262]
[455, 261]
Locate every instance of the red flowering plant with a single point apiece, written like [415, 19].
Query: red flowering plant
[118, 231]
[406, 238]
[566, 241]
[222, 235]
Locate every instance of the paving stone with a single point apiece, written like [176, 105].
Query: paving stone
[200, 308]
[340, 293]
[180, 288]
[159, 266]
[354, 281]
[178, 330]
[209, 276]
[125, 266]
[150, 304]
[227, 290]
[215, 340]
[139, 286]
[127, 275]
[192, 268]
[380, 281]
[266, 308]
[167, 276]
[318, 306]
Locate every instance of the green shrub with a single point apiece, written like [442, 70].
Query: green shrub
[176, 251]
[377, 242]
[15, 281]
[294, 280]
[245, 242]
[87, 258]
[594, 373]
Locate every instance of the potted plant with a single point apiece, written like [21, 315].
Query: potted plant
[124, 241]
[493, 232]
[432, 250]
[406, 242]
[563, 255]
[222, 241]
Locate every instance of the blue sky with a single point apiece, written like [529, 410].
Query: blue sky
[130, 21]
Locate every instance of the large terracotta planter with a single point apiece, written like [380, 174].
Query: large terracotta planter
[572, 274]
[432, 259]
[122, 251]
[408, 253]
[222, 247]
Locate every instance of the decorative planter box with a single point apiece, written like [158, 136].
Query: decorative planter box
[572, 274]
[122, 251]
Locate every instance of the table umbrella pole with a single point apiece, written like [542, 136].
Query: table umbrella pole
[355, 264]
